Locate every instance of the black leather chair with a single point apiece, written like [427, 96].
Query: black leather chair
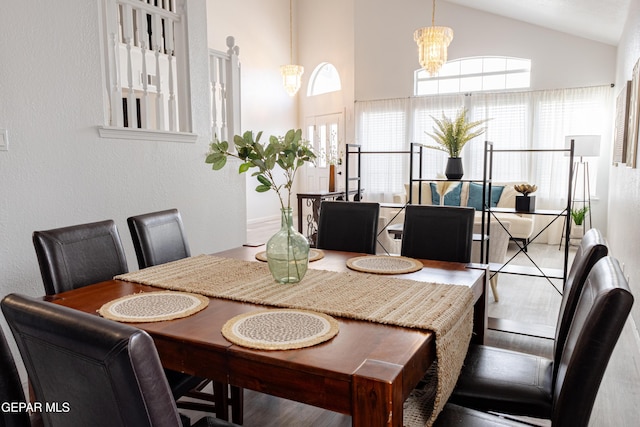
[472, 382]
[348, 226]
[158, 237]
[520, 384]
[592, 248]
[98, 372]
[76, 256]
[10, 388]
[441, 233]
[80, 255]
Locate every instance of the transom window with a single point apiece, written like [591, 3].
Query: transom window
[476, 74]
[324, 79]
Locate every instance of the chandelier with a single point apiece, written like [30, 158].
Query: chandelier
[291, 74]
[432, 44]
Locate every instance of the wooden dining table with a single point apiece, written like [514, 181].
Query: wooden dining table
[367, 370]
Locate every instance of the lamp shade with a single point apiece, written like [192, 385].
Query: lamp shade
[584, 145]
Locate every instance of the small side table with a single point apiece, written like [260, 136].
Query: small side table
[313, 201]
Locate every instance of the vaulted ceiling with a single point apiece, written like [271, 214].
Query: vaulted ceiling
[600, 20]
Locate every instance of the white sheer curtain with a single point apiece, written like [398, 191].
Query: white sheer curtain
[518, 120]
[383, 126]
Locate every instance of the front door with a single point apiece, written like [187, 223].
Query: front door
[326, 134]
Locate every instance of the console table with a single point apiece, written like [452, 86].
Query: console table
[313, 201]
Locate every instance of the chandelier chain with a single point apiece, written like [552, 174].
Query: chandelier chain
[291, 30]
[433, 14]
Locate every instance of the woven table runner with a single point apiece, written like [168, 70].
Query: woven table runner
[447, 310]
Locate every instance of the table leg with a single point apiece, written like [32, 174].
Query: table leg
[480, 312]
[376, 392]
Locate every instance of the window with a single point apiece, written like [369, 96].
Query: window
[477, 74]
[324, 79]
[145, 60]
[518, 120]
[323, 134]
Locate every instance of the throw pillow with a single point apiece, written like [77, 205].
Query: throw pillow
[452, 198]
[475, 195]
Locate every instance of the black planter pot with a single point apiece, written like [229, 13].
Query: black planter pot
[454, 169]
[525, 203]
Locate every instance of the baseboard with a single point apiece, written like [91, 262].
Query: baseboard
[258, 221]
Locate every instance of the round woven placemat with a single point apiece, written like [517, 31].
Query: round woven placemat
[314, 255]
[154, 306]
[383, 264]
[280, 329]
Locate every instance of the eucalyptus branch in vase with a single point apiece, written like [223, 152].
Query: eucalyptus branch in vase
[288, 153]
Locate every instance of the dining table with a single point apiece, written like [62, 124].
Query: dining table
[367, 370]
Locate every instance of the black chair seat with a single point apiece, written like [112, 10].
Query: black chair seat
[459, 416]
[506, 381]
[180, 383]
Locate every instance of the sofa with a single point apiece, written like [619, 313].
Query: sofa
[470, 194]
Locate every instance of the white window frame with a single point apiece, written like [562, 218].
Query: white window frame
[332, 84]
[473, 74]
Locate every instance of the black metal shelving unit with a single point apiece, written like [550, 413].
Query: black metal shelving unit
[534, 270]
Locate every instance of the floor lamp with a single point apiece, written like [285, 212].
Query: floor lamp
[584, 146]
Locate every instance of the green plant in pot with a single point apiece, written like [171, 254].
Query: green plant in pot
[287, 250]
[579, 215]
[451, 136]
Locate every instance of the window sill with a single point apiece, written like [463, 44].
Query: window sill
[146, 134]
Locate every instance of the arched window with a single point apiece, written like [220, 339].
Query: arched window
[324, 79]
[475, 74]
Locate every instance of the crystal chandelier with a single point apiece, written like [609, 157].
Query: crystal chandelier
[432, 44]
[291, 74]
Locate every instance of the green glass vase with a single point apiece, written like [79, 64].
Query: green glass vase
[288, 252]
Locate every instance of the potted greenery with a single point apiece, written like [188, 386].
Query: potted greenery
[451, 136]
[578, 217]
[287, 250]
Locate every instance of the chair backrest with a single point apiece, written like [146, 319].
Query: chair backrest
[443, 233]
[99, 372]
[601, 312]
[348, 226]
[499, 242]
[158, 237]
[10, 388]
[80, 255]
[592, 248]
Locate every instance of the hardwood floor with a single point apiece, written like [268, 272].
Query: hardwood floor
[523, 298]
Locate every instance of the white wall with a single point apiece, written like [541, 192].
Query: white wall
[59, 172]
[624, 194]
[326, 33]
[261, 30]
[386, 55]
